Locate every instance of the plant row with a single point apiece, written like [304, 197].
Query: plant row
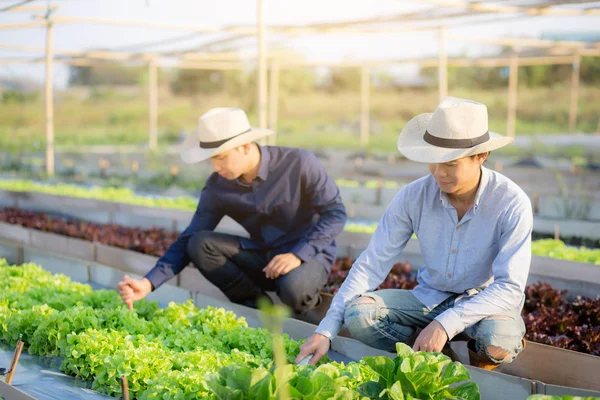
[182, 352]
[543, 247]
[560, 324]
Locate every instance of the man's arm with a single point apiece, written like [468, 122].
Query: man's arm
[326, 201]
[372, 267]
[510, 269]
[207, 216]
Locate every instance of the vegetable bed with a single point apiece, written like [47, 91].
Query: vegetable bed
[548, 317]
[155, 241]
[182, 352]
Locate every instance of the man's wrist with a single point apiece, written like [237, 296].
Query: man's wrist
[148, 284]
[324, 335]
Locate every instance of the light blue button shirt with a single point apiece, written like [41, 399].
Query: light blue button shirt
[489, 247]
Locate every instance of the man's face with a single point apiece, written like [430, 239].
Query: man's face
[458, 176]
[230, 164]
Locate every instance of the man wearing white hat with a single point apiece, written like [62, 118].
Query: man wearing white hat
[474, 229]
[282, 196]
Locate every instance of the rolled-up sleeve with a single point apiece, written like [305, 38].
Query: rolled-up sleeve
[510, 269]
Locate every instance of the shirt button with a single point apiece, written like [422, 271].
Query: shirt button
[458, 227]
[449, 275]
[453, 251]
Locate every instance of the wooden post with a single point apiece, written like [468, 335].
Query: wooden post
[261, 80]
[365, 85]
[274, 99]
[442, 65]
[13, 364]
[152, 104]
[49, 99]
[574, 92]
[536, 203]
[379, 192]
[512, 95]
[124, 387]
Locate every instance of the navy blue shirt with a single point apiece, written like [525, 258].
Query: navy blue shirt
[292, 206]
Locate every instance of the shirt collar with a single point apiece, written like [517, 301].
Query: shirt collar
[483, 182]
[263, 170]
[265, 158]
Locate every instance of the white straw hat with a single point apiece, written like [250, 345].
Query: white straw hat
[457, 128]
[219, 130]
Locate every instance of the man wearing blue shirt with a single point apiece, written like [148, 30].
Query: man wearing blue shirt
[282, 196]
[474, 229]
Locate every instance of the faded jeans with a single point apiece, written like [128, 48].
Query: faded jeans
[397, 316]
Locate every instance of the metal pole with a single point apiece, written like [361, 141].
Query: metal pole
[153, 104]
[274, 99]
[574, 92]
[262, 70]
[443, 65]
[49, 100]
[365, 80]
[512, 95]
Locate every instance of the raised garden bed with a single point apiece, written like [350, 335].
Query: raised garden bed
[579, 337]
[207, 353]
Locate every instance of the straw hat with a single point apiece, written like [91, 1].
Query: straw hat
[219, 130]
[457, 128]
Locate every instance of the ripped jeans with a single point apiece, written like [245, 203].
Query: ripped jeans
[397, 316]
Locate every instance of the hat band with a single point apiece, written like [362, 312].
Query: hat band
[215, 144]
[456, 143]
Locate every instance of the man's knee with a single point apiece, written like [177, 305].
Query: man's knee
[362, 299]
[199, 246]
[497, 353]
[297, 296]
[196, 243]
[359, 317]
[500, 338]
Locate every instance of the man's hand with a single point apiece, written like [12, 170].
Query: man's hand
[281, 265]
[133, 289]
[317, 345]
[432, 338]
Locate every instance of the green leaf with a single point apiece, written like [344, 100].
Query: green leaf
[345, 395]
[304, 386]
[328, 369]
[261, 387]
[294, 394]
[407, 365]
[240, 379]
[403, 350]
[323, 386]
[370, 389]
[466, 391]
[225, 393]
[455, 372]
[383, 366]
[395, 392]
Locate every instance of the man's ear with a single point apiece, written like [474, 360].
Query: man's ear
[482, 157]
[245, 148]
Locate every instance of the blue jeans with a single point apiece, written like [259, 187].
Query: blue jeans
[397, 316]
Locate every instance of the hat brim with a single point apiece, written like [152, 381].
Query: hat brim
[192, 153]
[412, 145]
